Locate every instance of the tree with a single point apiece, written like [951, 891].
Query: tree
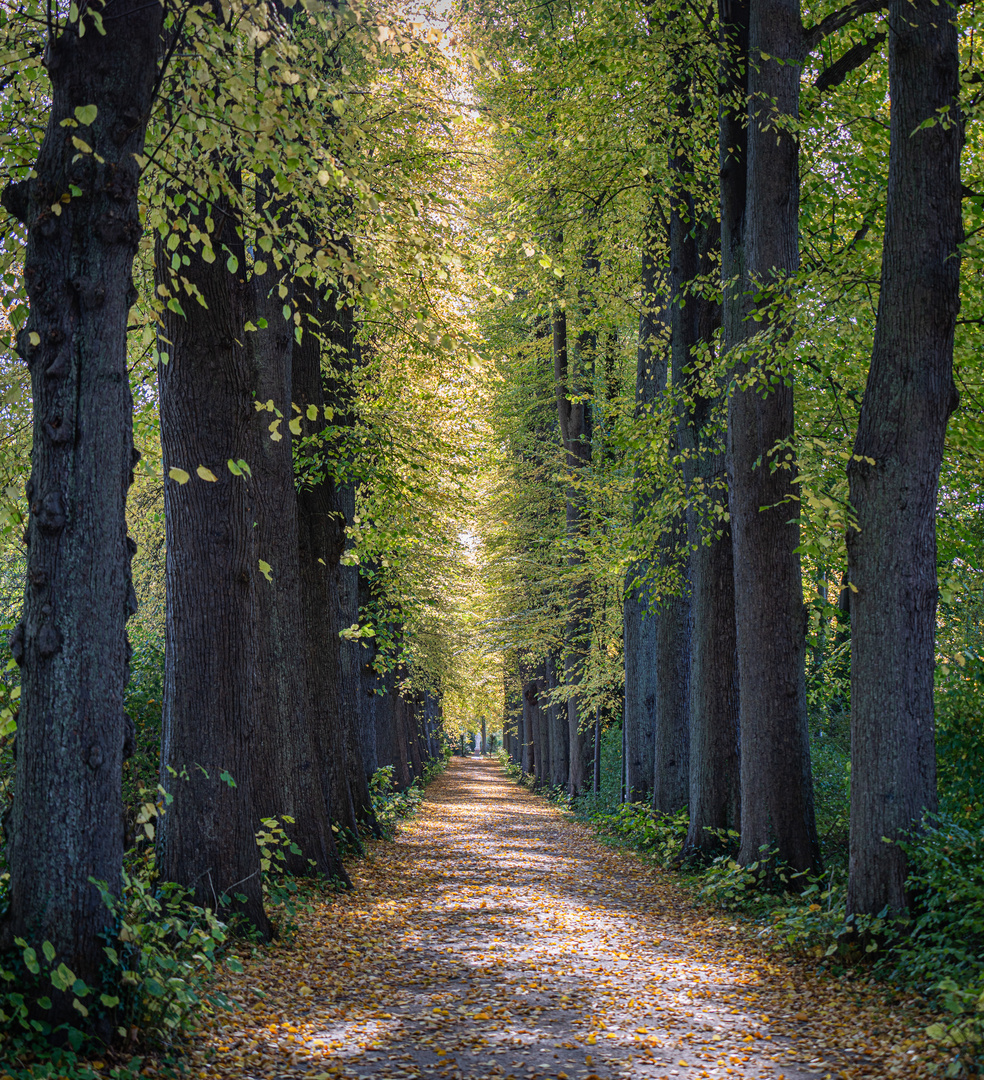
[206, 839]
[776, 784]
[81, 213]
[715, 799]
[894, 472]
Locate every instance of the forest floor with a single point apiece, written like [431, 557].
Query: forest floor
[495, 938]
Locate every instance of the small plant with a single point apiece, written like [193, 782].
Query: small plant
[962, 1031]
[639, 826]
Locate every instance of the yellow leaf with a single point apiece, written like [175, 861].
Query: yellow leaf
[295, 426]
[206, 474]
[265, 569]
[275, 435]
[179, 475]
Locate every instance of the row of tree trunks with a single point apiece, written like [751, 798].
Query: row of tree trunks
[408, 725]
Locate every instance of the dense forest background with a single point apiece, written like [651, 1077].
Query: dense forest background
[603, 377]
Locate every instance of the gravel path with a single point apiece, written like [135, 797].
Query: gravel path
[497, 939]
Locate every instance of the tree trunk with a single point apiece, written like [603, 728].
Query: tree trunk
[575, 429]
[638, 627]
[560, 746]
[206, 837]
[894, 474]
[404, 774]
[66, 822]
[290, 781]
[776, 783]
[320, 543]
[715, 764]
[368, 698]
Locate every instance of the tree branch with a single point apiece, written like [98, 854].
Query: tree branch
[854, 57]
[813, 35]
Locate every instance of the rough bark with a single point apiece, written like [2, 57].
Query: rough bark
[206, 837]
[530, 709]
[714, 796]
[386, 736]
[66, 822]
[776, 783]
[638, 628]
[290, 783]
[894, 475]
[570, 379]
[369, 684]
[560, 747]
[320, 545]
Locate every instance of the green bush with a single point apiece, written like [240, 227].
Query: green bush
[960, 738]
[946, 881]
[159, 967]
[636, 824]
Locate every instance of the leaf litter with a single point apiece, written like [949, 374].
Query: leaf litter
[494, 938]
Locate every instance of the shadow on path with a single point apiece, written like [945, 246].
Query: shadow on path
[494, 938]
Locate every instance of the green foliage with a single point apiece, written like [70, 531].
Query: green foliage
[158, 975]
[640, 827]
[960, 737]
[391, 806]
[946, 881]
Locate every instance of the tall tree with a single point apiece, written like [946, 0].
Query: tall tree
[639, 628]
[206, 840]
[714, 702]
[291, 782]
[894, 473]
[776, 782]
[80, 209]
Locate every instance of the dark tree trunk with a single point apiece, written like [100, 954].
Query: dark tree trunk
[714, 793]
[206, 837]
[776, 783]
[66, 822]
[560, 746]
[895, 471]
[369, 683]
[343, 357]
[290, 782]
[575, 429]
[386, 741]
[688, 327]
[638, 627]
[413, 712]
[404, 775]
[321, 540]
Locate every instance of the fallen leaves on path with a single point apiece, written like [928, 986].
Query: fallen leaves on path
[496, 939]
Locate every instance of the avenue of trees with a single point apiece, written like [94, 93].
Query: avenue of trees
[605, 373]
[738, 306]
[226, 267]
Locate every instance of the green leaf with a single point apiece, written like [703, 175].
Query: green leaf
[49, 951]
[86, 114]
[179, 475]
[232, 264]
[226, 777]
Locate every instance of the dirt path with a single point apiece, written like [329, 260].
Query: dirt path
[496, 939]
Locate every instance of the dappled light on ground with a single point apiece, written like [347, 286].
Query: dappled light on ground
[496, 939]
